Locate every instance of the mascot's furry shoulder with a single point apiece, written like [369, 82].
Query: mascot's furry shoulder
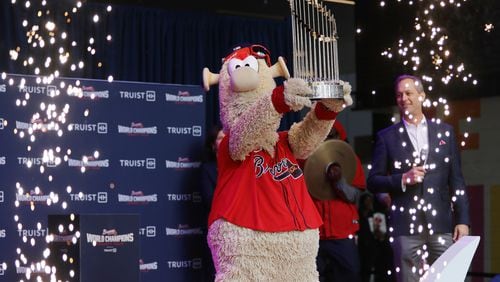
[263, 223]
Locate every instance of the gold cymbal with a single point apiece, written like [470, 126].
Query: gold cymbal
[315, 167]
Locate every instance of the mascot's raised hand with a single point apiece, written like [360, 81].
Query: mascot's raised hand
[338, 105]
[296, 92]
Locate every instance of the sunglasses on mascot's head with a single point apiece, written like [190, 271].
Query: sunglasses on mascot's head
[256, 50]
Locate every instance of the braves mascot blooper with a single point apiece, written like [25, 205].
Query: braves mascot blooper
[263, 225]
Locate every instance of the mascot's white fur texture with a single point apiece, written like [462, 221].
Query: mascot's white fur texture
[250, 118]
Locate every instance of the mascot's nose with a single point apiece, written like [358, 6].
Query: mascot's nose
[244, 79]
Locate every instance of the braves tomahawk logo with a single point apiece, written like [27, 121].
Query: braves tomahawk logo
[281, 170]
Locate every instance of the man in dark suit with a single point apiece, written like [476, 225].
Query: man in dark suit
[417, 162]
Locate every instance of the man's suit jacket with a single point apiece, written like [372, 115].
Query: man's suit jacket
[440, 200]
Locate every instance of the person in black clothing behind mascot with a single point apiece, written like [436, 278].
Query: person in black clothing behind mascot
[338, 254]
[207, 188]
[209, 166]
[373, 241]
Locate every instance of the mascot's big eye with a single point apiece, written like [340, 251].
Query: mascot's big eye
[234, 64]
[249, 61]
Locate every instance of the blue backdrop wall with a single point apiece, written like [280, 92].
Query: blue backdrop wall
[122, 148]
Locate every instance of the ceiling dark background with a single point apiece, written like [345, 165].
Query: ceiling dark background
[381, 28]
[258, 8]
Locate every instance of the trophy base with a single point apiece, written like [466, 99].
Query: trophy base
[326, 90]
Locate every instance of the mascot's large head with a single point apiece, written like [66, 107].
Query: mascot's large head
[246, 75]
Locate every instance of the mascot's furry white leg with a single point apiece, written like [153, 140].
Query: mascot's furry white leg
[242, 254]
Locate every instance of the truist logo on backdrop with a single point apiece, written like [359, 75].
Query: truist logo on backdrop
[195, 197]
[148, 231]
[149, 95]
[30, 161]
[36, 89]
[90, 163]
[183, 230]
[52, 90]
[146, 267]
[1, 123]
[88, 92]
[194, 263]
[3, 233]
[100, 127]
[148, 163]
[137, 198]
[3, 160]
[49, 90]
[137, 129]
[183, 97]
[32, 233]
[194, 130]
[3, 88]
[182, 163]
[1, 197]
[99, 197]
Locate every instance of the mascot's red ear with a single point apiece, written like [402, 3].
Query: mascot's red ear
[209, 79]
[280, 70]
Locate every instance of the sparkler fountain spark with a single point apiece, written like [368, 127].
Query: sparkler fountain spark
[50, 50]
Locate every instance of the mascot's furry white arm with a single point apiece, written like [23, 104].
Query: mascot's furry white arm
[307, 135]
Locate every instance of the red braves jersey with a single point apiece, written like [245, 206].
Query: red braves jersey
[341, 218]
[263, 193]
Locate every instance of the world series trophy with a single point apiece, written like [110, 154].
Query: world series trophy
[315, 54]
